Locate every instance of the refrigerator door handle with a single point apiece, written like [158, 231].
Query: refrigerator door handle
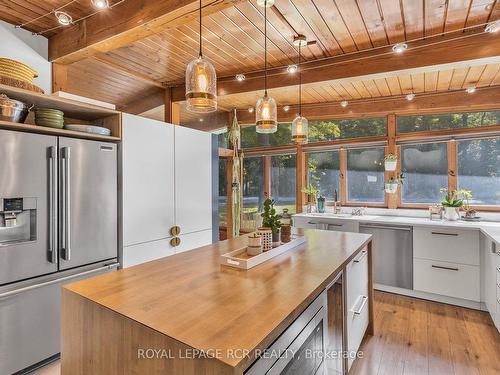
[55, 281]
[52, 204]
[66, 202]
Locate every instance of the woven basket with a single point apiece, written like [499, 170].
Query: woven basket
[20, 84]
[16, 70]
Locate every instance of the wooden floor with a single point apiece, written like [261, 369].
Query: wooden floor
[420, 337]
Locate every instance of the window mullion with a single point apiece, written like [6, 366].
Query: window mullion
[452, 165]
[343, 176]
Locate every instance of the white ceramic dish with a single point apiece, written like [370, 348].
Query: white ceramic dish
[88, 129]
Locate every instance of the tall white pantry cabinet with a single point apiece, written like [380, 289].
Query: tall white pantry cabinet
[166, 183]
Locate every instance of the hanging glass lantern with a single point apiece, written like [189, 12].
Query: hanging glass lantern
[201, 86]
[266, 115]
[201, 82]
[300, 130]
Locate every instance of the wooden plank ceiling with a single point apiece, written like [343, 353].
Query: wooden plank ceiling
[234, 42]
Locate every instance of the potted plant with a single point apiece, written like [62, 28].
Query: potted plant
[390, 162]
[271, 220]
[320, 207]
[311, 192]
[453, 201]
[391, 185]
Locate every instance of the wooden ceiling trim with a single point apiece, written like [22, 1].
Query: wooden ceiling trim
[127, 23]
[430, 81]
[456, 11]
[353, 20]
[431, 52]
[393, 19]
[483, 99]
[414, 19]
[473, 76]
[394, 86]
[488, 75]
[382, 87]
[434, 17]
[478, 12]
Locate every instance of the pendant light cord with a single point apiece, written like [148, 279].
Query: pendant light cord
[300, 85]
[201, 54]
[265, 47]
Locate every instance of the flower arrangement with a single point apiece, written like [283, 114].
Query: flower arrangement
[453, 201]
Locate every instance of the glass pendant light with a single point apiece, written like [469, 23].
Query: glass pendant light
[201, 83]
[265, 110]
[300, 125]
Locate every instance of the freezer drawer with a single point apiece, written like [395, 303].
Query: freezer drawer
[88, 218]
[30, 320]
[28, 171]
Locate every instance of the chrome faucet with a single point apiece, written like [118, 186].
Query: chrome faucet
[337, 208]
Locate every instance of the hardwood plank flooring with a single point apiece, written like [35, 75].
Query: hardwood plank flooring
[417, 337]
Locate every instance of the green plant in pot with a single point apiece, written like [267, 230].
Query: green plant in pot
[270, 219]
[390, 162]
[453, 201]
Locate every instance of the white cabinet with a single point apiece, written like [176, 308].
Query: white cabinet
[322, 223]
[147, 179]
[357, 303]
[145, 252]
[193, 180]
[166, 182]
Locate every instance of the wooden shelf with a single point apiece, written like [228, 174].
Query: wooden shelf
[71, 108]
[57, 132]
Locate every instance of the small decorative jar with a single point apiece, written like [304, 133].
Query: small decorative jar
[286, 218]
[286, 233]
[254, 245]
[267, 238]
[320, 205]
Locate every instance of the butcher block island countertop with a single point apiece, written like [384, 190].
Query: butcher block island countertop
[188, 302]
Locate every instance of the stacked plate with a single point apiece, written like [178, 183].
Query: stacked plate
[88, 129]
[51, 118]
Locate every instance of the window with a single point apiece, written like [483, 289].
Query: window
[253, 191]
[283, 169]
[425, 167]
[409, 124]
[328, 130]
[250, 138]
[479, 170]
[365, 175]
[324, 172]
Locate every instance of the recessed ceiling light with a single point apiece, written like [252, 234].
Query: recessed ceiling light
[201, 120]
[100, 4]
[400, 47]
[344, 103]
[292, 68]
[250, 109]
[410, 96]
[240, 77]
[286, 108]
[63, 18]
[266, 3]
[470, 89]
[493, 27]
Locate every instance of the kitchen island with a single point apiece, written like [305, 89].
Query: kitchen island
[187, 314]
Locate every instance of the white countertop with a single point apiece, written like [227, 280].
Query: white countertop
[489, 228]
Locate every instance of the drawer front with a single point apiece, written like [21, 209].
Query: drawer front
[447, 245]
[357, 302]
[304, 223]
[146, 252]
[447, 279]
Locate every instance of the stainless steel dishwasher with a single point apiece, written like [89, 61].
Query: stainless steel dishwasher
[392, 254]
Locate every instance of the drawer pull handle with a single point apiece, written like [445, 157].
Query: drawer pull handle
[445, 234]
[362, 306]
[312, 222]
[335, 225]
[445, 268]
[361, 256]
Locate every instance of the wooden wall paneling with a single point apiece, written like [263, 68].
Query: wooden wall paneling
[452, 165]
[59, 78]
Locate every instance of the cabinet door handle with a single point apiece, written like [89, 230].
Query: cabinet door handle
[445, 234]
[362, 254]
[359, 310]
[335, 225]
[312, 222]
[445, 268]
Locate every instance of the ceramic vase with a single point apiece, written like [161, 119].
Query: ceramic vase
[451, 213]
[390, 165]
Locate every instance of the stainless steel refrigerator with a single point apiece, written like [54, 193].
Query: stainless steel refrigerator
[58, 224]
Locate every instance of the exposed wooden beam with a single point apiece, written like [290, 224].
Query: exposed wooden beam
[142, 105]
[431, 52]
[456, 101]
[124, 24]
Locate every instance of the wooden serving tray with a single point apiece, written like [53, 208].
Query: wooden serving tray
[240, 259]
